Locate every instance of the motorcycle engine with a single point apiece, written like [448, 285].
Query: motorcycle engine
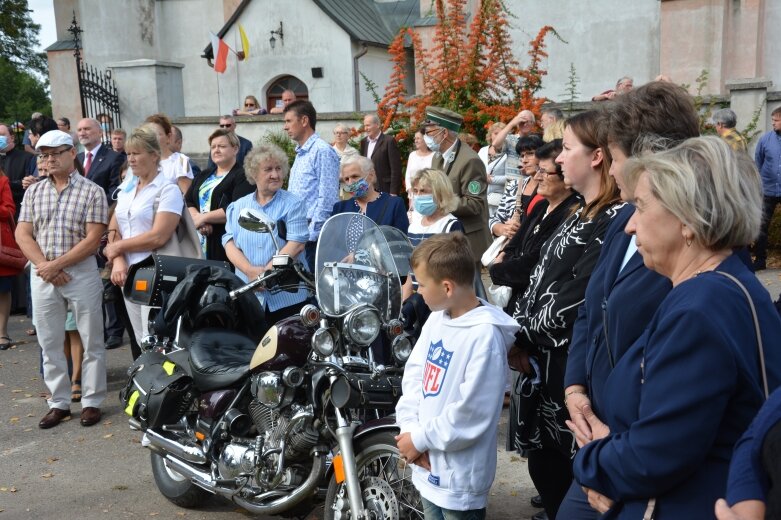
[237, 459]
[274, 426]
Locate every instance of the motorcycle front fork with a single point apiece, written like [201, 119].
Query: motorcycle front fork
[344, 436]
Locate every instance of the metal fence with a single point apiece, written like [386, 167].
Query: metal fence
[97, 90]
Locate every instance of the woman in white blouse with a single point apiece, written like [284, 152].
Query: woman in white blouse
[419, 159]
[148, 210]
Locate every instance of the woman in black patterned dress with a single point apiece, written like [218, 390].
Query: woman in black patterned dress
[548, 308]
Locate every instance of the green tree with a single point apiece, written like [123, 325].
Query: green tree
[23, 94]
[19, 37]
[23, 72]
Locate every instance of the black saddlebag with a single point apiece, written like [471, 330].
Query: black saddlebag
[157, 391]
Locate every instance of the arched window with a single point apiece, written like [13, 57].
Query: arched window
[274, 92]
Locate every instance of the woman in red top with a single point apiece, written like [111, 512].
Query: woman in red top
[7, 274]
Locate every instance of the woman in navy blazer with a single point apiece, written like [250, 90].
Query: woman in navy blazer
[622, 295]
[678, 400]
[358, 179]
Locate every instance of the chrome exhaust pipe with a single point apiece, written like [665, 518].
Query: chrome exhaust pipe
[165, 446]
[284, 503]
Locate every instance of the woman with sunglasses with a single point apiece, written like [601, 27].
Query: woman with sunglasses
[251, 108]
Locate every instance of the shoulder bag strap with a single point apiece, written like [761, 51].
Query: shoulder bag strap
[760, 348]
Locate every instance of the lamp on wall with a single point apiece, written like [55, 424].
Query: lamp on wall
[273, 41]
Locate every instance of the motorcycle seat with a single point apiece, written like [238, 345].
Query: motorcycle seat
[219, 358]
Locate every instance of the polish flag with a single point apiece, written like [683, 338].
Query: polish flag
[220, 52]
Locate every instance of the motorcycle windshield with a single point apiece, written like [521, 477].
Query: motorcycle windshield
[354, 265]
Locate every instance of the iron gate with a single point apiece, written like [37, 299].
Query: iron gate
[97, 90]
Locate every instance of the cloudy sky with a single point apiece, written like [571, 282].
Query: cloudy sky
[43, 14]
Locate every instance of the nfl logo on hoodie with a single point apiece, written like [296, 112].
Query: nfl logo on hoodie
[437, 361]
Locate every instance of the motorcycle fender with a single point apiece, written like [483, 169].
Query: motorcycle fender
[363, 430]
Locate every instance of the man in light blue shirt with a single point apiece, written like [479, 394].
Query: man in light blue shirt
[768, 158]
[314, 177]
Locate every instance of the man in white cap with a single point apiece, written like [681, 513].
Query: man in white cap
[465, 171]
[60, 225]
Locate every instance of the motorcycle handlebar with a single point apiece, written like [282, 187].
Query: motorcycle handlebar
[252, 285]
[302, 274]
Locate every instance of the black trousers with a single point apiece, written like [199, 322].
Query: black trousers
[768, 207]
[551, 472]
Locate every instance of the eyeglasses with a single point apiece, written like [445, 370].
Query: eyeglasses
[230, 125]
[341, 133]
[249, 105]
[525, 122]
[546, 172]
[52, 155]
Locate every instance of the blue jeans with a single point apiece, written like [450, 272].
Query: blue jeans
[434, 512]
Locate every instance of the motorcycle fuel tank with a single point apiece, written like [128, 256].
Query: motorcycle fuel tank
[285, 344]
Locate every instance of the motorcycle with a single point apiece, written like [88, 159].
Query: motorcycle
[300, 415]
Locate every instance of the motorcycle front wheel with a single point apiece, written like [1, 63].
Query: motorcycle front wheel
[174, 486]
[386, 483]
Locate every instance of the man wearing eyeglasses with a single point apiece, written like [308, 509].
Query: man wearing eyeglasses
[60, 225]
[464, 170]
[227, 122]
[16, 163]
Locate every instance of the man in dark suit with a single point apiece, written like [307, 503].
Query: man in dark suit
[101, 164]
[465, 171]
[384, 153]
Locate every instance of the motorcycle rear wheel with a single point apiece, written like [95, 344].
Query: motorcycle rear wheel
[176, 487]
[378, 463]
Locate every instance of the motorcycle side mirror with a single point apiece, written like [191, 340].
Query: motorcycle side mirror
[258, 222]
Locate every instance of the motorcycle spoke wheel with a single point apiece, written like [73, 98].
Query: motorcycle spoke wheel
[378, 461]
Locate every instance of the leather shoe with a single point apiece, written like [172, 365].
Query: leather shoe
[541, 515]
[53, 418]
[90, 415]
[113, 342]
[536, 501]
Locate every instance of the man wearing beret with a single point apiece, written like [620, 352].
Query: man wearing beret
[60, 225]
[466, 173]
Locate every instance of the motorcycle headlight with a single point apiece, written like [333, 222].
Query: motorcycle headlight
[401, 348]
[362, 326]
[323, 342]
[267, 387]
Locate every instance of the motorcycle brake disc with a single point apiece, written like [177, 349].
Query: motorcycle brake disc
[380, 499]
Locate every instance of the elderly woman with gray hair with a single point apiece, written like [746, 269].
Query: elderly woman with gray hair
[266, 167]
[679, 399]
[358, 179]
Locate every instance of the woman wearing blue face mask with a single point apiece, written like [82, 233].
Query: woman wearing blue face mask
[433, 201]
[358, 179]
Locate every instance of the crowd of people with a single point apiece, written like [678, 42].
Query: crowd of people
[641, 344]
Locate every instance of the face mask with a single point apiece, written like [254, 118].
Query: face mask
[3, 142]
[104, 127]
[431, 143]
[359, 188]
[425, 205]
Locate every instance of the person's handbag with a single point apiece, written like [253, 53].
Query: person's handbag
[493, 251]
[184, 241]
[10, 254]
[499, 295]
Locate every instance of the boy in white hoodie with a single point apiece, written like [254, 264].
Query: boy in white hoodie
[454, 384]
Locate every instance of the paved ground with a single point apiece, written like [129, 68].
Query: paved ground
[102, 472]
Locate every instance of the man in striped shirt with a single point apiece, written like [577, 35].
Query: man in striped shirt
[62, 219]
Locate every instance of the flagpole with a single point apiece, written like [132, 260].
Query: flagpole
[238, 90]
